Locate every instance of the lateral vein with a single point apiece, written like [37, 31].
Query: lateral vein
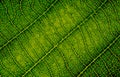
[113, 42]
[65, 37]
[4, 45]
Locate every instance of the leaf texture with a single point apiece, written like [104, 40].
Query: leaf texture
[60, 38]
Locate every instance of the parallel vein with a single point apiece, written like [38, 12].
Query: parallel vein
[64, 38]
[113, 42]
[4, 45]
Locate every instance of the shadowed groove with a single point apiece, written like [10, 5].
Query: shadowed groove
[111, 66]
[75, 52]
[112, 43]
[42, 49]
[53, 59]
[30, 5]
[109, 22]
[93, 42]
[115, 11]
[52, 42]
[66, 63]
[114, 54]
[30, 31]
[60, 20]
[88, 35]
[108, 29]
[64, 38]
[116, 58]
[84, 42]
[3, 36]
[35, 38]
[24, 49]
[14, 17]
[97, 24]
[3, 66]
[69, 15]
[44, 35]
[4, 45]
[96, 73]
[107, 68]
[11, 22]
[58, 34]
[15, 61]
[68, 68]
[69, 41]
[101, 32]
[48, 68]
[9, 19]
[40, 45]
[56, 62]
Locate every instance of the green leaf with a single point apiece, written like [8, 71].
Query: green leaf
[60, 38]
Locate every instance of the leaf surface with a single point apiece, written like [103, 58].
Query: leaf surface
[60, 38]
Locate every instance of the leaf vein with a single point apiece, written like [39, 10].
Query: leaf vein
[64, 38]
[113, 42]
[4, 45]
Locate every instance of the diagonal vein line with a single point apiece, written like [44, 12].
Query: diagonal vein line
[112, 43]
[29, 25]
[64, 38]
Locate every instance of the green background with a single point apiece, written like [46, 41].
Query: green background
[60, 38]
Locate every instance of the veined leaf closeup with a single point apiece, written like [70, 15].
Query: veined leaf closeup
[60, 38]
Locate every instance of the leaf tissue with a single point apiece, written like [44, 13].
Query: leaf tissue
[59, 38]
